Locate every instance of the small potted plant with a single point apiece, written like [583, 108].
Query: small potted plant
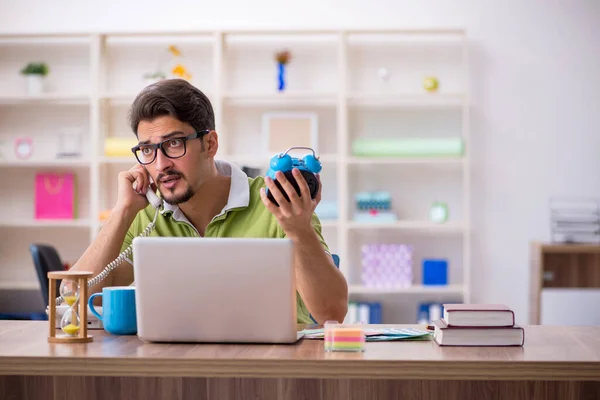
[153, 77]
[35, 73]
[168, 66]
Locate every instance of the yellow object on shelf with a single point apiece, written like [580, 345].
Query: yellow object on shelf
[174, 50]
[119, 147]
[431, 84]
[181, 72]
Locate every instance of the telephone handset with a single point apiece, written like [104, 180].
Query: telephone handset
[156, 202]
[153, 198]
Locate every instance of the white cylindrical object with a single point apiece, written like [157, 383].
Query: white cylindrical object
[35, 84]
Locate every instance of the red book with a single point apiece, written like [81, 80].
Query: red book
[475, 315]
[443, 335]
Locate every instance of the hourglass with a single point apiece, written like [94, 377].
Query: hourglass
[73, 293]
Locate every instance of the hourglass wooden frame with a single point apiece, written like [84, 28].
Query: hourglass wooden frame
[81, 277]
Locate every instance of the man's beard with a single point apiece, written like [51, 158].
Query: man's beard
[178, 199]
[171, 198]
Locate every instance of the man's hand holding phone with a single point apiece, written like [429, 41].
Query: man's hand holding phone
[132, 188]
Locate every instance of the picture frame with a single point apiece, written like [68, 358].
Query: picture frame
[282, 130]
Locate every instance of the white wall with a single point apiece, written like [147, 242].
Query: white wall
[535, 92]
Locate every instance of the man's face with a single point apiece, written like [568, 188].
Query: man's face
[178, 179]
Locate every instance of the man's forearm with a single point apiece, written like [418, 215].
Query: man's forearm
[321, 285]
[105, 248]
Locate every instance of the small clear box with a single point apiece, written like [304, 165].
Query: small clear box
[344, 337]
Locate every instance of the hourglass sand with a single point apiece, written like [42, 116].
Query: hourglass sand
[73, 292]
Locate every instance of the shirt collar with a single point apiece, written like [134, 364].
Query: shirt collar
[239, 191]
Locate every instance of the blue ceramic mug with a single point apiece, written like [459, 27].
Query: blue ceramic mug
[118, 309]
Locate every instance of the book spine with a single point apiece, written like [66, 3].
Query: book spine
[522, 336]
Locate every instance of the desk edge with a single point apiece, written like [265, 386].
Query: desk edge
[320, 369]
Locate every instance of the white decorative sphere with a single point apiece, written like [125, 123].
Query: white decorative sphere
[384, 74]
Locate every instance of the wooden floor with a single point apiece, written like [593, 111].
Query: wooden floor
[148, 388]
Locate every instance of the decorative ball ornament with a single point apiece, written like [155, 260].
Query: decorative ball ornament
[383, 73]
[431, 84]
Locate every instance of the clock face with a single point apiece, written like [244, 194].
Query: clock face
[23, 148]
[439, 212]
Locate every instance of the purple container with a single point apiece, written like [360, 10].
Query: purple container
[387, 265]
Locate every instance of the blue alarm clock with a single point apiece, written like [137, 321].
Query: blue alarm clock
[308, 166]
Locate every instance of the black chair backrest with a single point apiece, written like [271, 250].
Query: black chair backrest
[45, 259]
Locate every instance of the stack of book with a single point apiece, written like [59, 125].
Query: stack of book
[478, 325]
[575, 220]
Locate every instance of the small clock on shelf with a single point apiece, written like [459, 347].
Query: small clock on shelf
[23, 148]
[438, 212]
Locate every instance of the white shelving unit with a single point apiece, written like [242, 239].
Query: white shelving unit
[415, 289]
[94, 78]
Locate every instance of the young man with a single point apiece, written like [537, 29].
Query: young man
[174, 124]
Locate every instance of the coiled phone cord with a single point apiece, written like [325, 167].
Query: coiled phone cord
[124, 255]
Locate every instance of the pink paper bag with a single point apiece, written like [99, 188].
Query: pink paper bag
[55, 196]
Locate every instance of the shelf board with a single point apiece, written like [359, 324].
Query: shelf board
[44, 163]
[125, 98]
[33, 223]
[253, 160]
[568, 248]
[19, 285]
[329, 223]
[119, 160]
[119, 97]
[45, 39]
[333, 158]
[328, 158]
[405, 36]
[404, 100]
[155, 39]
[424, 226]
[406, 160]
[264, 160]
[416, 289]
[269, 38]
[285, 98]
[47, 98]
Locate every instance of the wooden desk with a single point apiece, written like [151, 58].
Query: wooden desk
[555, 363]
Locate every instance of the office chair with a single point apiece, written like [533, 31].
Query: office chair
[45, 259]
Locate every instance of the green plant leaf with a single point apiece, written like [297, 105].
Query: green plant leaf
[34, 68]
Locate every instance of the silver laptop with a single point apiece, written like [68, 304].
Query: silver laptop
[215, 290]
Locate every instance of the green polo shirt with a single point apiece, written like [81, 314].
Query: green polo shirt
[244, 216]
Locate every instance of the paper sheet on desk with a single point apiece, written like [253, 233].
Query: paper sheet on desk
[379, 334]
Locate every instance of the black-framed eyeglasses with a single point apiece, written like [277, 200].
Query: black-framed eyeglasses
[173, 148]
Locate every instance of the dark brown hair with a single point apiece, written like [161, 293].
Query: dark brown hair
[177, 98]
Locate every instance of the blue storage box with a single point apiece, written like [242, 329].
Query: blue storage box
[435, 272]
